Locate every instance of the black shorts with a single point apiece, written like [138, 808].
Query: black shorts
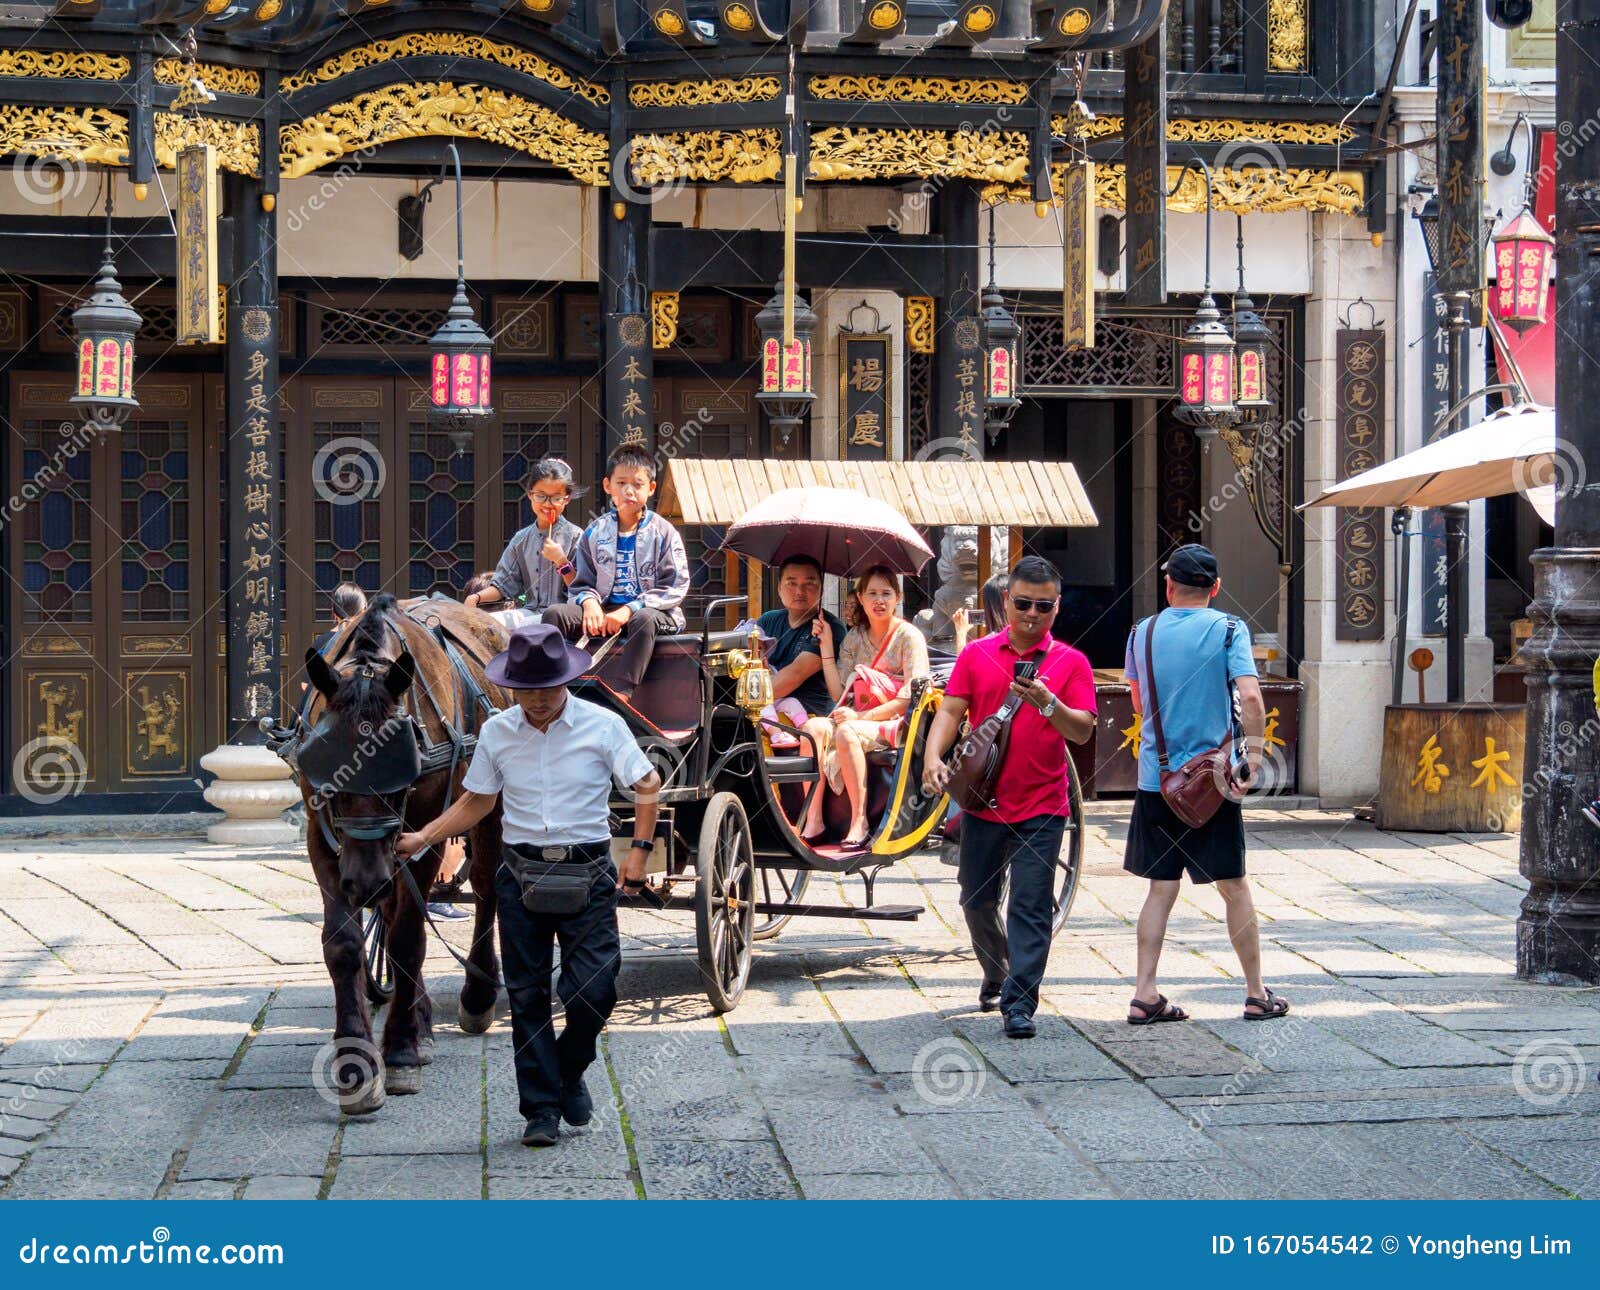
[1162, 847]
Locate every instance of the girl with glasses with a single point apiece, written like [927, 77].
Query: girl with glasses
[537, 565]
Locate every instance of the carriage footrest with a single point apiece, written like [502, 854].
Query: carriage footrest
[877, 913]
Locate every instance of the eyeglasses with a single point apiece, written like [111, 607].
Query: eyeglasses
[1025, 606]
[545, 499]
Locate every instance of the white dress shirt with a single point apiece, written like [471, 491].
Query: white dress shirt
[555, 786]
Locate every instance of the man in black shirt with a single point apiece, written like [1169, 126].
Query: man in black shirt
[796, 654]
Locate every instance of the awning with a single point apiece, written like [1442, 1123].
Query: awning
[1027, 494]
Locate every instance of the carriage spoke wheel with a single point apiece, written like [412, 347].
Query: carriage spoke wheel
[380, 971]
[724, 901]
[778, 887]
[1069, 864]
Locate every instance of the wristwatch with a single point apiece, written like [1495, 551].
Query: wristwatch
[644, 844]
[1048, 708]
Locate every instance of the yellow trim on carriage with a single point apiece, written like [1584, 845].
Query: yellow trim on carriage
[887, 846]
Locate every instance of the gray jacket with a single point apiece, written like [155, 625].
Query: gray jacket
[659, 561]
[524, 570]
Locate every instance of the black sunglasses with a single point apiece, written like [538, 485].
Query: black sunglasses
[1025, 606]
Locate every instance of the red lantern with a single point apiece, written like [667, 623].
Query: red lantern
[1205, 373]
[1522, 254]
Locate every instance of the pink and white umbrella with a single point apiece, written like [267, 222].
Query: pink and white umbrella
[843, 531]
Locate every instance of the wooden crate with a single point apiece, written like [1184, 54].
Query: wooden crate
[1452, 768]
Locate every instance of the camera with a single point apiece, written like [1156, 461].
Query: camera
[1508, 13]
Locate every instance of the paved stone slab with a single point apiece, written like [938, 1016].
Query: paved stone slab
[206, 1190]
[458, 1177]
[273, 1131]
[877, 1187]
[271, 1187]
[680, 1170]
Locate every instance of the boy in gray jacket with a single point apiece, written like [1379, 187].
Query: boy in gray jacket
[632, 573]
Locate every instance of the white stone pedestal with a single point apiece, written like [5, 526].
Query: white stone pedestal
[254, 787]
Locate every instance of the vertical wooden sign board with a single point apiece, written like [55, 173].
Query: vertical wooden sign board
[864, 396]
[1079, 255]
[1460, 117]
[199, 318]
[1435, 403]
[1359, 545]
[1144, 152]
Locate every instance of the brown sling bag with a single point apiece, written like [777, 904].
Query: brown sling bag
[975, 773]
[1197, 788]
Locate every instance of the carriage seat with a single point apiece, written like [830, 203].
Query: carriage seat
[718, 641]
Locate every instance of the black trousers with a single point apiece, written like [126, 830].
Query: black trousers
[1012, 956]
[591, 955]
[638, 641]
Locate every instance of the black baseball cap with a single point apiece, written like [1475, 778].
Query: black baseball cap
[1191, 566]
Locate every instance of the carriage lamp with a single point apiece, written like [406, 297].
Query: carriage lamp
[458, 355]
[1522, 255]
[1205, 351]
[104, 327]
[1251, 337]
[786, 391]
[752, 679]
[1000, 336]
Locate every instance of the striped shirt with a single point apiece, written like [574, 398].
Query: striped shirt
[523, 570]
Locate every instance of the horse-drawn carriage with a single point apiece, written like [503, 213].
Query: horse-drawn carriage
[727, 845]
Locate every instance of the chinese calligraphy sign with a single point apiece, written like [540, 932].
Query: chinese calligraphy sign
[1359, 547]
[865, 394]
[1078, 256]
[199, 317]
[1145, 156]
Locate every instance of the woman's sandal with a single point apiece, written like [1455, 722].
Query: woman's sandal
[1154, 1013]
[1272, 1007]
[637, 891]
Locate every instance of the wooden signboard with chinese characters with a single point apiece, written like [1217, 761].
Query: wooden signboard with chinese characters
[1435, 551]
[1359, 545]
[199, 311]
[865, 396]
[1460, 145]
[1078, 255]
[1452, 768]
[1144, 134]
[628, 415]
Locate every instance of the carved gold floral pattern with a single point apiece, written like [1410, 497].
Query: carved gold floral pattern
[849, 152]
[744, 156]
[720, 89]
[1234, 191]
[916, 89]
[919, 324]
[92, 135]
[663, 319]
[1287, 36]
[448, 44]
[63, 64]
[238, 143]
[1216, 130]
[225, 80]
[442, 108]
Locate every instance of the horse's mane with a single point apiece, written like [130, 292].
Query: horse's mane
[359, 696]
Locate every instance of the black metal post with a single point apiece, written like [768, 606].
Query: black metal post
[1455, 590]
[254, 552]
[1558, 931]
[1402, 610]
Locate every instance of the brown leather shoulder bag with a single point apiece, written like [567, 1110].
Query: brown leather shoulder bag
[1197, 788]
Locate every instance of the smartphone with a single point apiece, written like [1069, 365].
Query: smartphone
[1024, 670]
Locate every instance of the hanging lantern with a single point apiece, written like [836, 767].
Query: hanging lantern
[458, 355]
[1522, 255]
[1000, 336]
[1251, 336]
[1205, 373]
[786, 391]
[104, 327]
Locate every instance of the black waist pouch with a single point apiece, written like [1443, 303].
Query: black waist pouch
[554, 887]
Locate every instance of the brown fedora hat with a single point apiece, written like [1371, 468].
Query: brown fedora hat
[538, 658]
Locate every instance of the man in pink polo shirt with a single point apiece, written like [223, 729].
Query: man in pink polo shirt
[1028, 822]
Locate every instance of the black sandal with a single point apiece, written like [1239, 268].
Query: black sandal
[1272, 1007]
[1157, 1012]
[638, 891]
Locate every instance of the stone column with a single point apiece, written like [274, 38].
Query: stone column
[1558, 931]
[253, 784]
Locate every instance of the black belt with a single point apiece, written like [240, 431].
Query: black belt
[575, 851]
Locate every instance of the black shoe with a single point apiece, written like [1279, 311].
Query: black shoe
[543, 1130]
[988, 997]
[577, 1107]
[1020, 1026]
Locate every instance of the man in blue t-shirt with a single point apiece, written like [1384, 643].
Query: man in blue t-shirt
[796, 654]
[1200, 659]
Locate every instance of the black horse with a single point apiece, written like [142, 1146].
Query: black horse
[390, 731]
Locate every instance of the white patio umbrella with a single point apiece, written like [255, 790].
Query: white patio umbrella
[1514, 450]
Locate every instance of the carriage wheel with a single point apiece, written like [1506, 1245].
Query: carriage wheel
[779, 886]
[380, 971]
[724, 901]
[1069, 865]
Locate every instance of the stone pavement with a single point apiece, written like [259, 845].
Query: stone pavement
[164, 1010]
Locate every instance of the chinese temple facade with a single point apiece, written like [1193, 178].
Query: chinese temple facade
[622, 219]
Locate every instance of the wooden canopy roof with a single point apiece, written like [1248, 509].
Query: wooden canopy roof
[1029, 494]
